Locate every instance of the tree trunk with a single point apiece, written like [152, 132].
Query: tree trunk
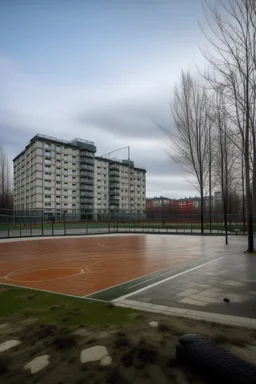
[254, 186]
[248, 201]
[202, 209]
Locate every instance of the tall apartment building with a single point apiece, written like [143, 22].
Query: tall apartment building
[54, 176]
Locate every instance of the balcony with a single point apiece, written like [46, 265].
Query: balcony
[86, 206]
[114, 173]
[86, 188]
[85, 180]
[114, 202]
[113, 167]
[86, 160]
[114, 185]
[115, 192]
[114, 179]
[87, 194]
[87, 167]
[87, 154]
[86, 201]
[87, 173]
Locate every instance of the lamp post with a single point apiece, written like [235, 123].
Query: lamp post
[64, 217]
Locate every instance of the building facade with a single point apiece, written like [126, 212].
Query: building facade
[54, 175]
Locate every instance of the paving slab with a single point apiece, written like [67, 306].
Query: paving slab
[231, 277]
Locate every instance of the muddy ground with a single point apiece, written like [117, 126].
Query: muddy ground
[140, 354]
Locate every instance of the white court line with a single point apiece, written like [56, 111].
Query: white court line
[167, 279]
[147, 274]
[17, 273]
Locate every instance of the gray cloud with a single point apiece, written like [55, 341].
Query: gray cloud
[133, 120]
[111, 116]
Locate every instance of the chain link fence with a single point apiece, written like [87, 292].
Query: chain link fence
[39, 223]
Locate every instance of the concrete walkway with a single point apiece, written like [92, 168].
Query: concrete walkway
[221, 290]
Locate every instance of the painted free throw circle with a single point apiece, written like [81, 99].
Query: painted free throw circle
[45, 274]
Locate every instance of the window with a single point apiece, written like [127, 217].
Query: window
[73, 177]
[74, 170]
[74, 157]
[47, 204]
[74, 191]
[74, 185]
[46, 189]
[66, 162]
[57, 182]
[65, 190]
[74, 164]
[57, 204]
[65, 205]
[73, 198]
[47, 196]
[73, 205]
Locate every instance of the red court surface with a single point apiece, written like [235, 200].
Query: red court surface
[81, 266]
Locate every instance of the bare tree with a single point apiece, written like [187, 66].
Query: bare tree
[191, 139]
[232, 65]
[225, 157]
[5, 180]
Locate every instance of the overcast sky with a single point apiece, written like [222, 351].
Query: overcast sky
[101, 70]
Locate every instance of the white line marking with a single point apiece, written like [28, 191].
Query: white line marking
[167, 279]
[17, 273]
[171, 270]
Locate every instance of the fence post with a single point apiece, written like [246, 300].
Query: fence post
[65, 223]
[42, 223]
[52, 229]
[30, 228]
[20, 228]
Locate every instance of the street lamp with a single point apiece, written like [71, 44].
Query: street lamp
[64, 216]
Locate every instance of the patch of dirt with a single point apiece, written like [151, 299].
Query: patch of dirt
[140, 354]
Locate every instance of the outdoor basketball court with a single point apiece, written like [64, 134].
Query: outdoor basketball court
[183, 275]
